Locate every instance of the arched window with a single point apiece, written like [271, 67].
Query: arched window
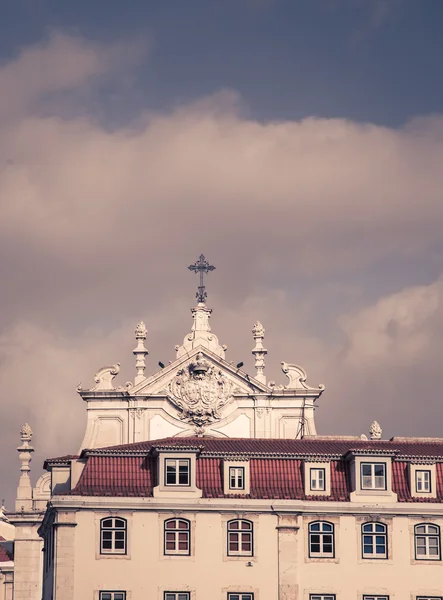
[113, 532]
[177, 536]
[240, 538]
[427, 542]
[321, 539]
[374, 540]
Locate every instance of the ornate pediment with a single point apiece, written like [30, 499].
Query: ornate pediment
[200, 390]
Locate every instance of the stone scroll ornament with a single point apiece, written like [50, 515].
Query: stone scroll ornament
[200, 391]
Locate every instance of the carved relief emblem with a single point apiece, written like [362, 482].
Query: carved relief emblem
[200, 391]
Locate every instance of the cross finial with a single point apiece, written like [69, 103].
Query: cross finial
[201, 266]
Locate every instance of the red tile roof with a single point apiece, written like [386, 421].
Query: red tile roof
[276, 466]
[306, 446]
[5, 555]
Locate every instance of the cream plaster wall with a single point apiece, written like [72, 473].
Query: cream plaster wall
[146, 572]
[349, 576]
[281, 568]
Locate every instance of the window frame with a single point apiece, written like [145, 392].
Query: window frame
[318, 470]
[321, 596]
[238, 531]
[374, 534]
[239, 595]
[176, 595]
[321, 534]
[243, 477]
[112, 592]
[427, 536]
[113, 529]
[376, 597]
[419, 472]
[176, 531]
[385, 476]
[177, 472]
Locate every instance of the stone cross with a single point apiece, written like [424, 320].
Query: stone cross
[201, 266]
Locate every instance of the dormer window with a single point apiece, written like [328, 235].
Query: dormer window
[177, 471]
[423, 480]
[373, 476]
[317, 478]
[236, 477]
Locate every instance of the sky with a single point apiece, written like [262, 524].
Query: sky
[297, 144]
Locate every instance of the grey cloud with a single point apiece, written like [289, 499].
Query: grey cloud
[97, 228]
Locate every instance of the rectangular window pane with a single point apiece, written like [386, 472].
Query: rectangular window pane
[171, 472]
[366, 482]
[183, 472]
[379, 470]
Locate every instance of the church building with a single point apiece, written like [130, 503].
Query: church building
[203, 481]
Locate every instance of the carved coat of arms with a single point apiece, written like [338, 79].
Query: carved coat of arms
[200, 391]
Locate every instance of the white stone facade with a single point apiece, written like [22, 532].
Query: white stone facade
[181, 399]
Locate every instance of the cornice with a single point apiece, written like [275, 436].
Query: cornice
[296, 507]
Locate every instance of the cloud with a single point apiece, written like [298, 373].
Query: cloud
[99, 224]
[62, 63]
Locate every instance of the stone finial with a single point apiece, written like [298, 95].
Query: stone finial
[375, 431]
[259, 351]
[140, 331]
[140, 352]
[26, 433]
[24, 490]
[258, 331]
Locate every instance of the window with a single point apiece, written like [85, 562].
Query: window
[177, 471]
[373, 476]
[317, 478]
[240, 538]
[113, 536]
[321, 596]
[423, 481]
[321, 540]
[240, 596]
[375, 597]
[429, 598]
[374, 540]
[112, 595]
[177, 596]
[427, 542]
[236, 478]
[177, 536]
